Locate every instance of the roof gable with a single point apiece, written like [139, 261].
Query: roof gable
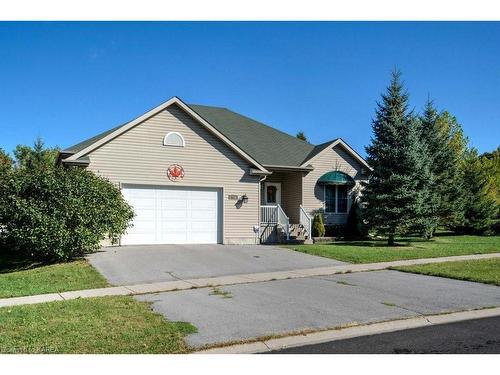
[340, 142]
[91, 144]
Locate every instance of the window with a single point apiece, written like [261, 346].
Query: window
[336, 198]
[341, 198]
[330, 195]
[174, 139]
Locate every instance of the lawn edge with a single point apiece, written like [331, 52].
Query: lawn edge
[310, 337]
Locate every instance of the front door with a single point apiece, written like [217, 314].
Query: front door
[272, 193]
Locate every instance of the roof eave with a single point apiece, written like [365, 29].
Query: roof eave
[82, 162]
[307, 168]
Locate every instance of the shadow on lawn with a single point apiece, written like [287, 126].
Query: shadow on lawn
[400, 242]
[367, 244]
[10, 262]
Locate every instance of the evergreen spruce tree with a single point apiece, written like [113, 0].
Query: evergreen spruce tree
[441, 133]
[397, 196]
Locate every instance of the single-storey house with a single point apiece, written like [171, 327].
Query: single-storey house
[201, 174]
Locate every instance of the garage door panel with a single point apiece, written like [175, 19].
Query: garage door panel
[176, 215]
[174, 238]
[173, 215]
[169, 203]
[143, 203]
[201, 194]
[203, 215]
[201, 237]
[172, 193]
[204, 205]
[174, 226]
[203, 226]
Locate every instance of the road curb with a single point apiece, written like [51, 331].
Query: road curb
[263, 346]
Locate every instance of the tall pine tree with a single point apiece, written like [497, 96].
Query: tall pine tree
[396, 198]
[445, 146]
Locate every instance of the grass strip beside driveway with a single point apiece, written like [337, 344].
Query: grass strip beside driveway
[53, 278]
[407, 248]
[94, 325]
[483, 271]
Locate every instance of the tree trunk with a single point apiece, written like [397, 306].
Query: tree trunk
[390, 240]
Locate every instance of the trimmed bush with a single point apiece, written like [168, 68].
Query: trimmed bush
[318, 226]
[60, 213]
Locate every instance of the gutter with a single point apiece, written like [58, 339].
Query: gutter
[307, 168]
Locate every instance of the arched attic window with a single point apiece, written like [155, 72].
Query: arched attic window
[174, 139]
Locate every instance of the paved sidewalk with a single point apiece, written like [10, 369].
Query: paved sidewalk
[167, 286]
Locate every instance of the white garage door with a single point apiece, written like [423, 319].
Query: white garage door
[172, 216]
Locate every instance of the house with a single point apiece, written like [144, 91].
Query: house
[200, 174]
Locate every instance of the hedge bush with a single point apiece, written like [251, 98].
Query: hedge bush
[60, 213]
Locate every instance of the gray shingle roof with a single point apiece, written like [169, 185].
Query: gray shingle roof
[265, 144]
[84, 144]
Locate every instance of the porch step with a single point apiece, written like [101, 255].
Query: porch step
[294, 240]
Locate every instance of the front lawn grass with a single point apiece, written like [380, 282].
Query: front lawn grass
[483, 270]
[21, 280]
[90, 325]
[372, 251]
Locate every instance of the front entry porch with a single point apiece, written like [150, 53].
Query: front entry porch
[282, 217]
[276, 227]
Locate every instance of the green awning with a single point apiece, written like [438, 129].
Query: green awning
[336, 178]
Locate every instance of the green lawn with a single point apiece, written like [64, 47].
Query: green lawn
[483, 270]
[90, 325]
[406, 248]
[18, 280]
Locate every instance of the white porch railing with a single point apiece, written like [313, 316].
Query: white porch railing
[274, 214]
[284, 221]
[269, 214]
[306, 222]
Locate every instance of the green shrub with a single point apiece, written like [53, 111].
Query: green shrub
[318, 226]
[59, 213]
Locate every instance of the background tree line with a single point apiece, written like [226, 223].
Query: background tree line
[425, 175]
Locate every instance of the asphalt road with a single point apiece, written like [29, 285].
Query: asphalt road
[467, 337]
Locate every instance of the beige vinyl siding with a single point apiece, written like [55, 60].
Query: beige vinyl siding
[138, 156]
[333, 158]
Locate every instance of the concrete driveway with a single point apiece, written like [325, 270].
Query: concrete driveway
[287, 306]
[152, 263]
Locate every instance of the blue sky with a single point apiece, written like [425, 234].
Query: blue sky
[69, 81]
